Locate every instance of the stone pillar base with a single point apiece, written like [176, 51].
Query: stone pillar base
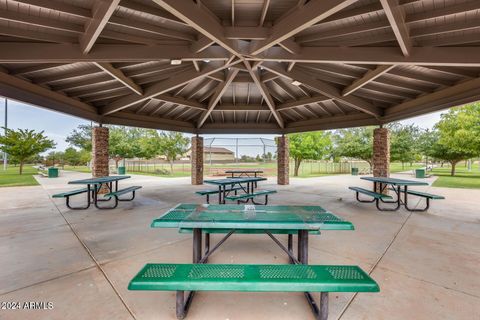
[283, 161]
[381, 154]
[100, 158]
[197, 160]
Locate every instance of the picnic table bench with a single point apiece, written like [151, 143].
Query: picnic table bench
[225, 186]
[94, 185]
[296, 276]
[252, 278]
[398, 186]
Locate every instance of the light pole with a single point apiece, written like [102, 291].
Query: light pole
[6, 124]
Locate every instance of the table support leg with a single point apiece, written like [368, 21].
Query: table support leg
[303, 246]
[197, 245]
[323, 306]
[180, 305]
[290, 247]
[219, 194]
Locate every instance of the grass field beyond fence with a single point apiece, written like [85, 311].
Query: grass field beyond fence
[11, 178]
[462, 179]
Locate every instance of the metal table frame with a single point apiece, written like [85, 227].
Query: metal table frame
[244, 173]
[223, 183]
[94, 185]
[201, 256]
[399, 186]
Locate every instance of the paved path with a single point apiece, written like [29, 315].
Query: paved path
[81, 261]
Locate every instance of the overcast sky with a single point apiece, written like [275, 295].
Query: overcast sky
[57, 125]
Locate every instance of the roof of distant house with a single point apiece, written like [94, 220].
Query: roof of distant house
[216, 150]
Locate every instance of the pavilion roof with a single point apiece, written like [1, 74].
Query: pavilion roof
[241, 66]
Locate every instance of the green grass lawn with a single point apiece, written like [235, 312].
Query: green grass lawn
[11, 178]
[397, 167]
[462, 179]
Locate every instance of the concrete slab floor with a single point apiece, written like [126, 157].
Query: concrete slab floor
[425, 263]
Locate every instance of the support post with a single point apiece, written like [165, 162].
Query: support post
[283, 159]
[381, 154]
[6, 126]
[197, 160]
[100, 157]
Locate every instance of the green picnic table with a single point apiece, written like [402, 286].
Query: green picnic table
[399, 186]
[231, 182]
[94, 185]
[206, 218]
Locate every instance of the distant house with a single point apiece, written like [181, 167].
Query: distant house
[217, 154]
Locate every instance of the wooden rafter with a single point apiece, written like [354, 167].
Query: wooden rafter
[325, 89]
[199, 19]
[215, 99]
[162, 87]
[102, 11]
[265, 93]
[396, 17]
[300, 19]
[120, 76]
[367, 77]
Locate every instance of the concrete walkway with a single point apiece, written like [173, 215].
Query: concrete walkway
[427, 264]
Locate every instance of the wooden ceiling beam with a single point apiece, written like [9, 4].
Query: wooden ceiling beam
[300, 19]
[25, 91]
[368, 77]
[120, 76]
[102, 11]
[200, 19]
[428, 56]
[302, 102]
[265, 6]
[153, 11]
[59, 53]
[181, 101]
[162, 87]
[396, 17]
[63, 7]
[215, 99]
[150, 28]
[265, 93]
[324, 89]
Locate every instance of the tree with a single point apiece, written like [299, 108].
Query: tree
[172, 145]
[81, 137]
[426, 142]
[355, 143]
[309, 146]
[55, 157]
[403, 142]
[459, 135]
[124, 142]
[23, 144]
[72, 156]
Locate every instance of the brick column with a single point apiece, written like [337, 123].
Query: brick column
[197, 160]
[100, 152]
[381, 153]
[283, 160]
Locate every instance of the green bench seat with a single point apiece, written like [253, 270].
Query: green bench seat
[424, 194]
[370, 193]
[71, 193]
[252, 278]
[207, 193]
[122, 191]
[115, 195]
[246, 196]
[427, 196]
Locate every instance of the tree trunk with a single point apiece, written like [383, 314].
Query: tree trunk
[452, 172]
[403, 165]
[117, 160]
[21, 167]
[171, 167]
[297, 166]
